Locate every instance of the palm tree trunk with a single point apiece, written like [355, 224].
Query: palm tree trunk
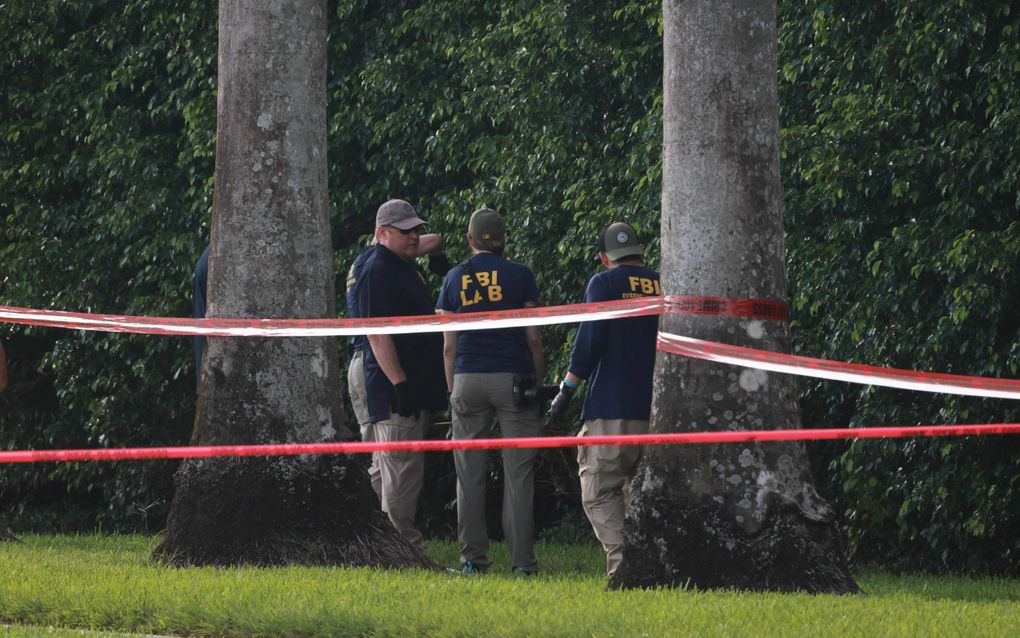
[271, 257]
[733, 516]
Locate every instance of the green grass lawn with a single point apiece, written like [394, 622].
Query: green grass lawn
[106, 583]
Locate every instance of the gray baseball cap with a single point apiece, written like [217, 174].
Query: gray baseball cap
[486, 224]
[399, 214]
[619, 240]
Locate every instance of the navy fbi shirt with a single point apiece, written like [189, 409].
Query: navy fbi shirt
[391, 287]
[618, 356]
[489, 282]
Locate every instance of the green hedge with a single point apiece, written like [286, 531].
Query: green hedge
[900, 154]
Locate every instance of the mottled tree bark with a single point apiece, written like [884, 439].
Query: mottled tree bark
[743, 516]
[271, 257]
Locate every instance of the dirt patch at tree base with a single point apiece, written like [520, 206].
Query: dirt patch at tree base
[281, 511]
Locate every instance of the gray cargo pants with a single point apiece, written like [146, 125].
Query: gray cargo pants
[605, 472]
[477, 398]
[402, 473]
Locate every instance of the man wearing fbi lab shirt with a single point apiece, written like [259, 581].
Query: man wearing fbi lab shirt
[618, 358]
[480, 370]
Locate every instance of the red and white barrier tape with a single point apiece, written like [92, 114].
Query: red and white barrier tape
[334, 327]
[839, 371]
[676, 438]
[685, 346]
[641, 306]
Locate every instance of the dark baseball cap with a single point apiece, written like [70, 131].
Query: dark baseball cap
[486, 224]
[399, 214]
[618, 240]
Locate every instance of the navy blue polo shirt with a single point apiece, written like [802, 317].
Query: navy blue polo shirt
[391, 287]
[488, 282]
[618, 356]
[358, 342]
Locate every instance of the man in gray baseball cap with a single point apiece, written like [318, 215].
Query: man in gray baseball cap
[430, 245]
[404, 379]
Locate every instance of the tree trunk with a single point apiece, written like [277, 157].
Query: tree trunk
[271, 257]
[741, 516]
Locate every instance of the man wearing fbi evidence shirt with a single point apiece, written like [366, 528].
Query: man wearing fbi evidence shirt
[480, 370]
[618, 358]
[404, 372]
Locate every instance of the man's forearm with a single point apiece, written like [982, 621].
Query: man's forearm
[449, 353]
[428, 244]
[449, 357]
[537, 354]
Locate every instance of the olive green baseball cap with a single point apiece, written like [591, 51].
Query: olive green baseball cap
[486, 224]
[619, 240]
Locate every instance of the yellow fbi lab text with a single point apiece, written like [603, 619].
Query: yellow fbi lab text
[487, 288]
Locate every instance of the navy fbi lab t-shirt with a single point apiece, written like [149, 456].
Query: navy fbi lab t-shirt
[391, 287]
[618, 356]
[488, 282]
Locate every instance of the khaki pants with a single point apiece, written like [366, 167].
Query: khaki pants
[402, 473]
[359, 401]
[606, 471]
[477, 398]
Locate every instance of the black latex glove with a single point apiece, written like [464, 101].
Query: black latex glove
[403, 396]
[559, 405]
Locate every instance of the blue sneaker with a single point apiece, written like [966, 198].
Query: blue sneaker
[471, 568]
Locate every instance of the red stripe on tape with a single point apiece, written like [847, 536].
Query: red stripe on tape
[839, 371]
[750, 308]
[675, 438]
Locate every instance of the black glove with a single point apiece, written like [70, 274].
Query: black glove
[559, 405]
[403, 397]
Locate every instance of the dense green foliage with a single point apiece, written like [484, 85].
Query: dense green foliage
[105, 582]
[900, 168]
[107, 114]
[901, 152]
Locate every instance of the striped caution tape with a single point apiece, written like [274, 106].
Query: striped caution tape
[838, 370]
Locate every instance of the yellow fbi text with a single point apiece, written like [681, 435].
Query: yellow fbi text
[488, 283]
[642, 287]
